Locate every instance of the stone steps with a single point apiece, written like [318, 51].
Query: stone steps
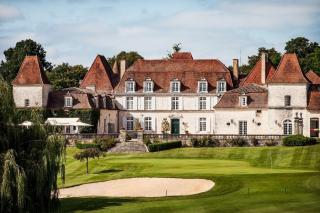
[128, 147]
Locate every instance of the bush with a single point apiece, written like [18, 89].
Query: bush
[271, 143]
[238, 142]
[154, 147]
[255, 142]
[105, 143]
[205, 142]
[80, 145]
[298, 140]
[128, 137]
[146, 141]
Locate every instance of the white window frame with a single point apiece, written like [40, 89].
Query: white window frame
[26, 102]
[202, 86]
[129, 102]
[175, 103]
[68, 101]
[202, 124]
[243, 127]
[287, 127]
[147, 103]
[130, 86]
[243, 101]
[175, 86]
[221, 86]
[147, 123]
[148, 86]
[129, 123]
[202, 103]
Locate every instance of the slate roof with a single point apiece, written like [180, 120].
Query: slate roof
[31, 72]
[257, 97]
[188, 71]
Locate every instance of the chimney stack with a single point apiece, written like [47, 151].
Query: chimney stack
[115, 67]
[122, 68]
[263, 67]
[235, 69]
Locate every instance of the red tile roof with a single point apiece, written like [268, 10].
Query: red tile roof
[100, 75]
[257, 97]
[288, 71]
[187, 71]
[31, 72]
[313, 77]
[254, 76]
[182, 55]
[314, 98]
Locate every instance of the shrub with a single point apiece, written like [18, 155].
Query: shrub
[238, 142]
[105, 143]
[271, 143]
[205, 142]
[80, 145]
[154, 147]
[298, 140]
[255, 142]
[146, 141]
[128, 137]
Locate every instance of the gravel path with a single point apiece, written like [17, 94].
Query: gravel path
[140, 187]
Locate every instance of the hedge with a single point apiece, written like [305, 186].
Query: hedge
[87, 145]
[154, 147]
[298, 140]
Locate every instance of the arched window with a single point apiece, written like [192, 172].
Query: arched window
[287, 127]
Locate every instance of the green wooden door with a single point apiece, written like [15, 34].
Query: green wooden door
[175, 126]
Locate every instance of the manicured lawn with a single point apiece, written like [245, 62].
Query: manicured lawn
[262, 179]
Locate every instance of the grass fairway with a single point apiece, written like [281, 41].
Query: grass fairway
[256, 179]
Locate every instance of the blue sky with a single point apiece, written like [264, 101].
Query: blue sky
[75, 31]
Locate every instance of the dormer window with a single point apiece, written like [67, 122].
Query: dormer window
[175, 85]
[202, 86]
[148, 85]
[130, 86]
[68, 101]
[221, 86]
[243, 100]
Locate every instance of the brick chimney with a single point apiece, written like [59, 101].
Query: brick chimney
[235, 69]
[263, 67]
[122, 68]
[115, 67]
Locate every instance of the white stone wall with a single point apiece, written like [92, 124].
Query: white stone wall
[37, 95]
[276, 93]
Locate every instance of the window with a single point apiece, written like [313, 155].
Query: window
[202, 86]
[222, 86]
[129, 102]
[26, 102]
[174, 103]
[202, 124]
[175, 86]
[147, 103]
[130, 123]
[287, 127]
[148, 86]
[287, 100]
[314, 127]
[147, 124]
[243, 101]
[130, 86]
[242, 127]
[202, 103]
[68, 101]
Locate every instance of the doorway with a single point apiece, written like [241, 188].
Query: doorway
[175, 126]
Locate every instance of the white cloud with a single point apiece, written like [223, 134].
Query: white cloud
[8, 13]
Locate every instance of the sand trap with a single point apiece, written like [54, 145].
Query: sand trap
[140, 187]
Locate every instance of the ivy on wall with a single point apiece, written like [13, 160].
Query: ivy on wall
[90, 116]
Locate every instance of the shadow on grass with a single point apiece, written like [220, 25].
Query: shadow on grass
[90, 203]
[108, 171]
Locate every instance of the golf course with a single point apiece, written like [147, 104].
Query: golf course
[247, 179]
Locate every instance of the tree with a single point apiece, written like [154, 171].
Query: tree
[313, 61]
[14, 57]
[175, 48]
[130, 58]
[303, 48]
[65, 75]
[30, 161]
[86, 154]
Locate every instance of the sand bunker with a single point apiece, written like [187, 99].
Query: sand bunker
[140, 187]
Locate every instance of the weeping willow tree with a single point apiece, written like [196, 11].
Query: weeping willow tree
[30, 161]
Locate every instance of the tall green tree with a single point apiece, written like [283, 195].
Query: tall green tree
[15, 55]
[130, 58]
[313, 61]
[305, 51]
[65, 75]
